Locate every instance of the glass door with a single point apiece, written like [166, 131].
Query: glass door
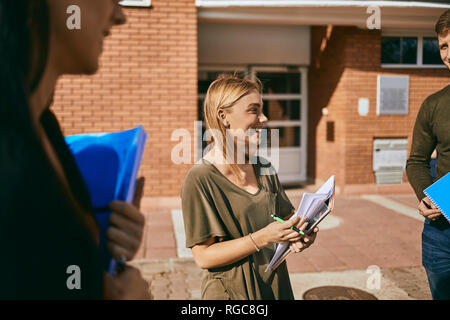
[285, 105]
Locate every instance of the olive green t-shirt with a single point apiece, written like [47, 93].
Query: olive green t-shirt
[213, 206]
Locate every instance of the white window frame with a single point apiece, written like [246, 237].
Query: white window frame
[141, 3]
[285, 96]
[419, 35]
[303, 97]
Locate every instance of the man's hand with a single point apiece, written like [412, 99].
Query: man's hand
[425, 211]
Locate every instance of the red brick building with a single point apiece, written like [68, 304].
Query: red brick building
[323, 69]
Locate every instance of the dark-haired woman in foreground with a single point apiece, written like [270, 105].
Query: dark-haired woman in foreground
[47, 227]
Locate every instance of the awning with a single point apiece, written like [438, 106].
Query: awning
[394, 14]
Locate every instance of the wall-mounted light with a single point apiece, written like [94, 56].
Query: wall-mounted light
[363, 106]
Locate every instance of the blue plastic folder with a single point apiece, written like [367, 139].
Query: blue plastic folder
[439, 194]
[109, 164]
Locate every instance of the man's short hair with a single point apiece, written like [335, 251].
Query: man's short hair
[443, 23]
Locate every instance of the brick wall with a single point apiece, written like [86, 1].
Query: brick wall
[344, 71]
[148, 77]
[326, 91]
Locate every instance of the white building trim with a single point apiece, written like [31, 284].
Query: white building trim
[315, 3]
[405, 17]
[136, 3]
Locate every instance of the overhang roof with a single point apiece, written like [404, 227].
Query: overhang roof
[321, 3]
[394, 14]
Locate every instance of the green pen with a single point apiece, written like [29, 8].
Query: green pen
[293, 228]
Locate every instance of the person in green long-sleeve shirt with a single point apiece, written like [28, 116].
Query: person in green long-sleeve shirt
[432, 130]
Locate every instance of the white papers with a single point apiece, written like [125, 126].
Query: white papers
[313, 207]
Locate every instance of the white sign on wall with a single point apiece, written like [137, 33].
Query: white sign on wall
[392, 95]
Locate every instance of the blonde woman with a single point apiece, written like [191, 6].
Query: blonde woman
[227, 203]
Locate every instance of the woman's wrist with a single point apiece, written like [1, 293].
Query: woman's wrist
[259, 239]
[254, 243]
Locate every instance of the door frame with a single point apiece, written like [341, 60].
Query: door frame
[303, 122]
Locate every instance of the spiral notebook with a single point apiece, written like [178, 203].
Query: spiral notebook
[439, 194]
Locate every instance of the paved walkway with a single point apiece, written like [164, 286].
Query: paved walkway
[376, 232]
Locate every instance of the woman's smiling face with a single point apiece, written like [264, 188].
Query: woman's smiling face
[245, 120]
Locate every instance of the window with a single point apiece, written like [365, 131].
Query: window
[285, 105]
[431, 54]
[136, 3]
[413, 50]
[401, 50]
[283, 101]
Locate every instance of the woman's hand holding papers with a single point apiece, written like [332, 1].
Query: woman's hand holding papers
[126, 226]
[304, 242]
[277, 232]
[125, 236]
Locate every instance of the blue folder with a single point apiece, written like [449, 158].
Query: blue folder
[109, 164]
[439, 194]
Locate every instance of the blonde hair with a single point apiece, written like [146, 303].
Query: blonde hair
[223, 94]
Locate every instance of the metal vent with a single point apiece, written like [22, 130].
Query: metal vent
[389, 160]
[389, 177]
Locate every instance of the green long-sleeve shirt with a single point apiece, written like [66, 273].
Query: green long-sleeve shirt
[432, 130]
